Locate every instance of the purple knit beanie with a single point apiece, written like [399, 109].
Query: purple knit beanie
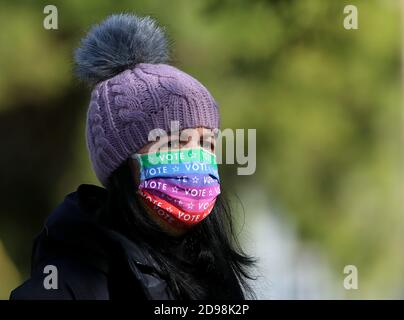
[135, 91]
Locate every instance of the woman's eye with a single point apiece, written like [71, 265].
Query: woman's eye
[208, 145]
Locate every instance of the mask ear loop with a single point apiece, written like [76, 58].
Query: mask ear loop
[137, 157]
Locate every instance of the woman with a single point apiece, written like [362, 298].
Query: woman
[160, 229]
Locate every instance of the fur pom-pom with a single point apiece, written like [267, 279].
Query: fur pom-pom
[118, 43]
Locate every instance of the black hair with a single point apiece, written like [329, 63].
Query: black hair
[212, 266]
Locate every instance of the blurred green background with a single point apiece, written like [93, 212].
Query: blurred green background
[326, 103]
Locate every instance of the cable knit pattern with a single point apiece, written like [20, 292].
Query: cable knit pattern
[125, 108]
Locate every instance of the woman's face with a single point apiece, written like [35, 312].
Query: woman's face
[186, 139]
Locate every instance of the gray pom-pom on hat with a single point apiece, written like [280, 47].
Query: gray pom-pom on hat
[119, 43]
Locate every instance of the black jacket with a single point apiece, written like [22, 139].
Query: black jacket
[92, 262]
[97, 263]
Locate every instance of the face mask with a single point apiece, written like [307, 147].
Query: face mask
[181, 186]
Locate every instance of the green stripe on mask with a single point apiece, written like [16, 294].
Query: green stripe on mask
[178, 156]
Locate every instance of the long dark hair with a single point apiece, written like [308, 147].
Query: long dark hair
[213, 265]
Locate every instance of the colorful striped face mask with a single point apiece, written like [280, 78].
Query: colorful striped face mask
[181, 186]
